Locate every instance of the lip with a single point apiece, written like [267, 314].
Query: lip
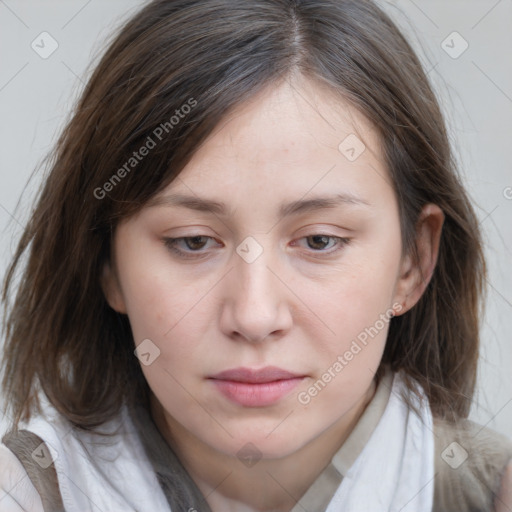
[260, 376]
[256, 387]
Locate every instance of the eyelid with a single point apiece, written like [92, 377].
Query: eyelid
[342, 242]
[171, 242]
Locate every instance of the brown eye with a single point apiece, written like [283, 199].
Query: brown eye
[318, 242]
[195, 243]
[189, 247]
[322, 244]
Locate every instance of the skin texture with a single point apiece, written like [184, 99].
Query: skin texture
[298, 305]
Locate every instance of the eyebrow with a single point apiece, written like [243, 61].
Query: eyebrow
[285, 210]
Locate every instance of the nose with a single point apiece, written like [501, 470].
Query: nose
[256, 302]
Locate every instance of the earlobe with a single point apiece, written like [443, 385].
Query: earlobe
[416, 270]
[111, 288]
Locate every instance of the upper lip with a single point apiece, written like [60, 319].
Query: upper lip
[252, 376]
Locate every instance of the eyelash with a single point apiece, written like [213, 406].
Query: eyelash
[171, 244]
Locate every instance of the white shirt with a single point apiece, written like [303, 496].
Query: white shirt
[103, 474]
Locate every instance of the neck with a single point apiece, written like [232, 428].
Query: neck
[270, 484]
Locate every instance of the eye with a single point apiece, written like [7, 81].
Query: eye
[186, 246]
[320, 242]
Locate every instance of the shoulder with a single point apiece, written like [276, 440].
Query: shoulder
[17, 493]
[93, 469]
[473, 467]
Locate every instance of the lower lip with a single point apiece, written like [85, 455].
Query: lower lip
[256, 395]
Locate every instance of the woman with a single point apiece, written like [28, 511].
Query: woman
[253, 278]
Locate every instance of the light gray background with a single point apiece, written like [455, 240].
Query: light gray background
[475, 88]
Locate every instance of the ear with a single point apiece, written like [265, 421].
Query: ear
[111, 288]
[415, 273]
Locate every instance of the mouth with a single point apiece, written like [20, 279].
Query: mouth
[256, 387]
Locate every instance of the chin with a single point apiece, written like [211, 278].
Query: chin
[265, 446]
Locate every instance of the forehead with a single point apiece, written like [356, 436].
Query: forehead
[288, 141]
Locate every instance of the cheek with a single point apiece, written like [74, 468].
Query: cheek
[357, 295]
[354, 306]
[172, 316]
[174, 319]
[357, 324]
[157, 294]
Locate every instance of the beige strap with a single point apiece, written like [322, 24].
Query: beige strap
[35, 457]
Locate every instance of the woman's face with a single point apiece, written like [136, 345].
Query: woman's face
[277, 246]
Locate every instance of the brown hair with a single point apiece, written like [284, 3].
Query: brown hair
[60, 333]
